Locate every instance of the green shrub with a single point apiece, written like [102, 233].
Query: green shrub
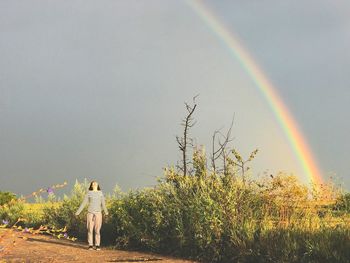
[224, 219]
[11, 211]
[6, 197]
[63, 214]
[342, 204]
[209, 217]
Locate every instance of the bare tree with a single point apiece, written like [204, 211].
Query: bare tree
[221, 151]
[185, 141]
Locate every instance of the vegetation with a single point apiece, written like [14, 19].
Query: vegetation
[220, 213]
[6, 197]
[212, 218]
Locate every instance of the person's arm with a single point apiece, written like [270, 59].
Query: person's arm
[104, 204]
[83, 204]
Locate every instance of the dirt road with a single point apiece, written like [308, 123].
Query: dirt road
[17, 246]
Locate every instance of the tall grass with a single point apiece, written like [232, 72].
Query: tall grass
[212, 217]
[221, 219]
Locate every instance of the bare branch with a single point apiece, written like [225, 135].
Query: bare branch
[184, 142]
[220, 151]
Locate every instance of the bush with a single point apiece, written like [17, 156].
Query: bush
[63, 214]
[6, 197]
[11, 211]
[342, 204]
[35, 213]
[210, 217]
[224, 219]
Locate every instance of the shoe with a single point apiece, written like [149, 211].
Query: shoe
[90, 248]
[98, 248]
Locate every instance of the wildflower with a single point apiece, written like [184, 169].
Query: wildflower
[50, 190]
[5, 222]
[65, 235]
[26, 230]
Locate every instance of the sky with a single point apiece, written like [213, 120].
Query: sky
[96, 89]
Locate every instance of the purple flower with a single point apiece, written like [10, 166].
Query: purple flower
[26, 230]
[50, 190]
[65, 235]
[5, 222]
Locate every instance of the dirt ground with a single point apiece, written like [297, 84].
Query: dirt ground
[17, 246]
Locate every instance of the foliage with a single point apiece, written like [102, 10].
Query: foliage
[208, 216]
[11, 211]
[217, 218]
[63, 214]
[342, 204]
[6, 197]
[29, 217]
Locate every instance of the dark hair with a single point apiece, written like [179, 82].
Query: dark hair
[98, 186]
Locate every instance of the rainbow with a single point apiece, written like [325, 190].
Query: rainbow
[269, 92]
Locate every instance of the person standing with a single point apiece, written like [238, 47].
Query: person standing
[96, 199]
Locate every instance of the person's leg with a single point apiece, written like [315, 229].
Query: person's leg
[90, 228]
[98, 224]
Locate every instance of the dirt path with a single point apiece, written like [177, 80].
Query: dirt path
[25, 247]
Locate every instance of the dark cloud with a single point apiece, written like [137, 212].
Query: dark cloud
[96, 89]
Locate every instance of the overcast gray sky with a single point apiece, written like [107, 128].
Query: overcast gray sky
[95, 89]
